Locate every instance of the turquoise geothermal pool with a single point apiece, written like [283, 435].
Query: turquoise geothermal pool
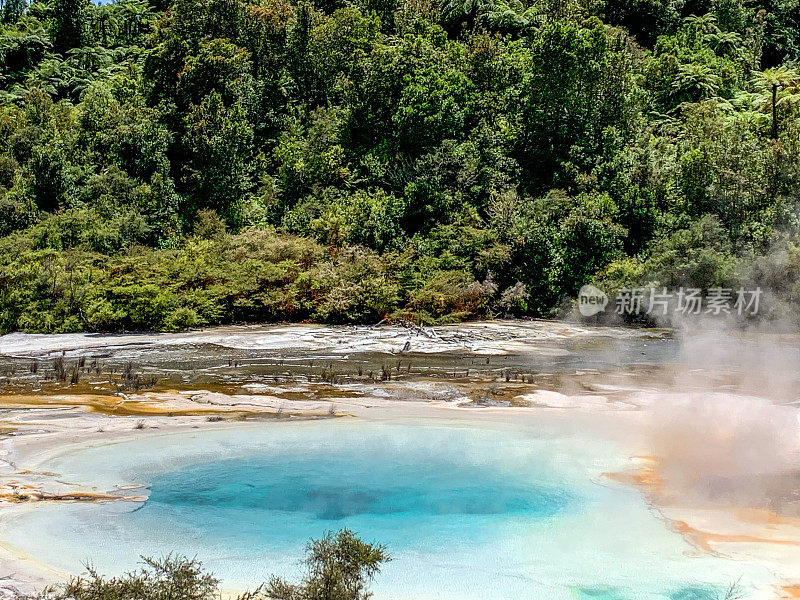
[468, 510]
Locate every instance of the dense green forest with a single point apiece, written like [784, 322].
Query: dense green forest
[177, 163]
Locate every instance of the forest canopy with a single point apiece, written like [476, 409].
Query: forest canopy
[178, 163]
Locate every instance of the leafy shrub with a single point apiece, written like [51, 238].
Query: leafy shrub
[339, 565]
[452, 292]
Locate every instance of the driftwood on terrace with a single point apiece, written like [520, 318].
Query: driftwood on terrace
[410, 325]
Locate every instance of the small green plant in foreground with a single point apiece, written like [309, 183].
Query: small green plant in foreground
[339, 566]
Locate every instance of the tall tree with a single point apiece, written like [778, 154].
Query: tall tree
[772, 81]
[69, 25]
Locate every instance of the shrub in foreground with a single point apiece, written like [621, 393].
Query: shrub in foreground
[340, 566]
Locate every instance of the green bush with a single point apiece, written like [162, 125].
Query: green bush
[340, 566]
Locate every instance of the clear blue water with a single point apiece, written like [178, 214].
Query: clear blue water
[468, 512]
[341, 485]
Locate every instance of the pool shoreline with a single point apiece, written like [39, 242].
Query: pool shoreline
[34, 451]
[40, 427]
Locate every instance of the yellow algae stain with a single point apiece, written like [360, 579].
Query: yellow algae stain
[645, 477]
[117, 406]
[19, 497]
[790, 592]
[704, 539]
[767, 518]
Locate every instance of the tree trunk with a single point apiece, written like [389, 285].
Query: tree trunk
[774, 112]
